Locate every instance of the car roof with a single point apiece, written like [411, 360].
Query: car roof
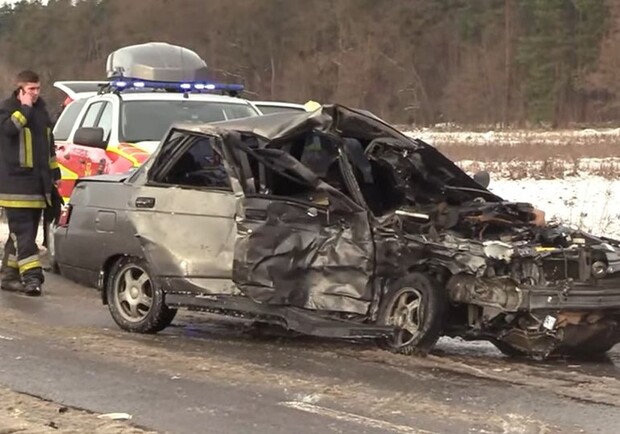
[79, 88]
[331, 119]
[283, 124]
[266, 126]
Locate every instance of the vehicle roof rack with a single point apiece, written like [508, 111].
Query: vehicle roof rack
[156, 61]
[159, 66]
[127, 84]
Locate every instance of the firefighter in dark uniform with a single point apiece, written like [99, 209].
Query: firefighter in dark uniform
[28, 174]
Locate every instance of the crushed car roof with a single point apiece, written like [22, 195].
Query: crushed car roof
[340, 121]
[279, 125]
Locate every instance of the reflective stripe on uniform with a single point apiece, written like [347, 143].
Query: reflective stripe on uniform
[23, 200]
[25, 148]
[12, 262]
[18, 119]
[5, 196]
[29, 263]
[23, 203]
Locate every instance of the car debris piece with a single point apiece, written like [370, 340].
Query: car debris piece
[115, 416]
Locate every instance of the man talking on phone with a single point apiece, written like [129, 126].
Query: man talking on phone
[28, 174]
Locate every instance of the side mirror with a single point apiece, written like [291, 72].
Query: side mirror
[90, 136]
[483, 178]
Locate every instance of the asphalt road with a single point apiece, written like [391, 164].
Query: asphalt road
[208, 375]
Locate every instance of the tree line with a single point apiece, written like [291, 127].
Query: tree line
[469, 62]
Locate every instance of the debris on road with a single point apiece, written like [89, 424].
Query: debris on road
[115, 416]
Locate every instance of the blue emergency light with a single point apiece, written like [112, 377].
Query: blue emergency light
[130, 83]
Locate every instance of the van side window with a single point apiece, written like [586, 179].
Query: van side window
[92, 114]
[105, 121]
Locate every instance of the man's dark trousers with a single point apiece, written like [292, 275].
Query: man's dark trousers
[21, 251]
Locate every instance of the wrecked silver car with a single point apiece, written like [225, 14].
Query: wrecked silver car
[333, 223]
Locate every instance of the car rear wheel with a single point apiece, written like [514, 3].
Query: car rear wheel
[414, 306]
[135, 301]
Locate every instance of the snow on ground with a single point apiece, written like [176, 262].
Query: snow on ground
[572, 192]
[591, 203]
[573, 195]
[435, 136]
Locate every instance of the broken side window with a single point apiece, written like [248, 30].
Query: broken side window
[376, 181]
[198, 164]
[275, 179]
[317, 152]
[298, 169]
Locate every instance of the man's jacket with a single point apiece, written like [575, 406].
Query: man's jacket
[28, 166]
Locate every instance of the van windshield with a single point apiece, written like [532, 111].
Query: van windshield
[149, 120]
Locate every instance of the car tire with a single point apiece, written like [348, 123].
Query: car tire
[51, 249]
[135, 302]
[415, 305]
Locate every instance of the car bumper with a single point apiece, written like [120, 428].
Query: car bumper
[579, 297]
[505, 294]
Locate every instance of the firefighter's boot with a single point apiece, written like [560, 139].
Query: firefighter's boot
[32, 285]
[11, 280]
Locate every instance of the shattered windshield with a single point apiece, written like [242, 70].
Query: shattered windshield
[149, 120]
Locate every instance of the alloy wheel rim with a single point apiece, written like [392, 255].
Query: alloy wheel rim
[134, 293]
[406, 315]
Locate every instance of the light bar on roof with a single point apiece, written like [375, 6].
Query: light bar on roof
[129, 83]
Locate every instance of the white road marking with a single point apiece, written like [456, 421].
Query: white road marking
[6, 338]
[354, 418]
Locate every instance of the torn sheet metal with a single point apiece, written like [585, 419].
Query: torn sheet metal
[288, 254]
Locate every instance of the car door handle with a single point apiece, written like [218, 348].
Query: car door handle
[145, 202]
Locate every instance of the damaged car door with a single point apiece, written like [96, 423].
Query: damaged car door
[301, 242]
[184, 216]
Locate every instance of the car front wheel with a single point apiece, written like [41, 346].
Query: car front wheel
[135, 302]
[414, 305]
